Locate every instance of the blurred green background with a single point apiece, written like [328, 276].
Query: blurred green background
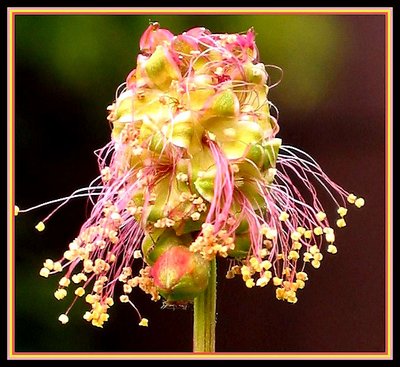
[331, 103]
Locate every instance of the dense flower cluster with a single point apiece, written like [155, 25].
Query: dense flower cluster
[194, 170]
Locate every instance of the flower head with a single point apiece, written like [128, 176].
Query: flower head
[194, 170]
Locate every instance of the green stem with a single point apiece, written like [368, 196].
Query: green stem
[204, 315]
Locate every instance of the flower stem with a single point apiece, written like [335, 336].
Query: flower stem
[204, 315]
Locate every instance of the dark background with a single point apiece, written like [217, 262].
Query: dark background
[332, 105]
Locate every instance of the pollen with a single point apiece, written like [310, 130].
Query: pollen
[63, 318]
[341, 223]
[330, 237]
[277, 281]
[261, 282]
[80, 291]
[316, 264]
[321, 216]
[342, 211]
[296, 245]
[307, 257]
[318, 231]
[57, 267]
[40, 226]
[60, 293]
[332, 249]
[144, 322]
[49, 264]
[250, 283]
[124, 298]
[195, 216]
[266, 264]
[359, 202]
[308, 234]
[44, 272]
[271, 233]
[64, 282]
[351, 198]
[302, 275]
[293, 255]
[295, 236]
[283, 216]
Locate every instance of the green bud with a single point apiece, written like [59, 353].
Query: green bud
[242, 246]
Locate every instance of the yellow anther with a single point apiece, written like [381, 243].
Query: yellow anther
[64, 282]
[266, 265]
[250, 283]
[87, 316]
[296, 245]
[137, 254]
[301, 230]
[183, 177]
[127, 288]
[308, 234]
[90, 299]
[307, 257]
[76, 278]
[44, 272]
[320, 216]
[341, 223]
[318, 231]
[60, 294]
[295, 236]
[330, 237]
[144, 322]
[261, 282]
[16, 210]
[359, 202]
[264, 229]
[293, 255]
[230, 274]
[263, 253]
[277, 281]
[300, 283]
[49, 264]
[328, 230]
[245, 270]
[318, 256]
[332, 249]
[351, 198]
[316, 264]
[63, 318]
[314, 249]
[124, 298]
[80, 291]
[280, 293]
[195, 216]
[342, 211]
[283, 216]
[254, 262]
[271, 233]
[40, 226]
[301, 275]
[57, 266]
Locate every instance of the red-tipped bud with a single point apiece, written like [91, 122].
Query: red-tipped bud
[180, 275]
